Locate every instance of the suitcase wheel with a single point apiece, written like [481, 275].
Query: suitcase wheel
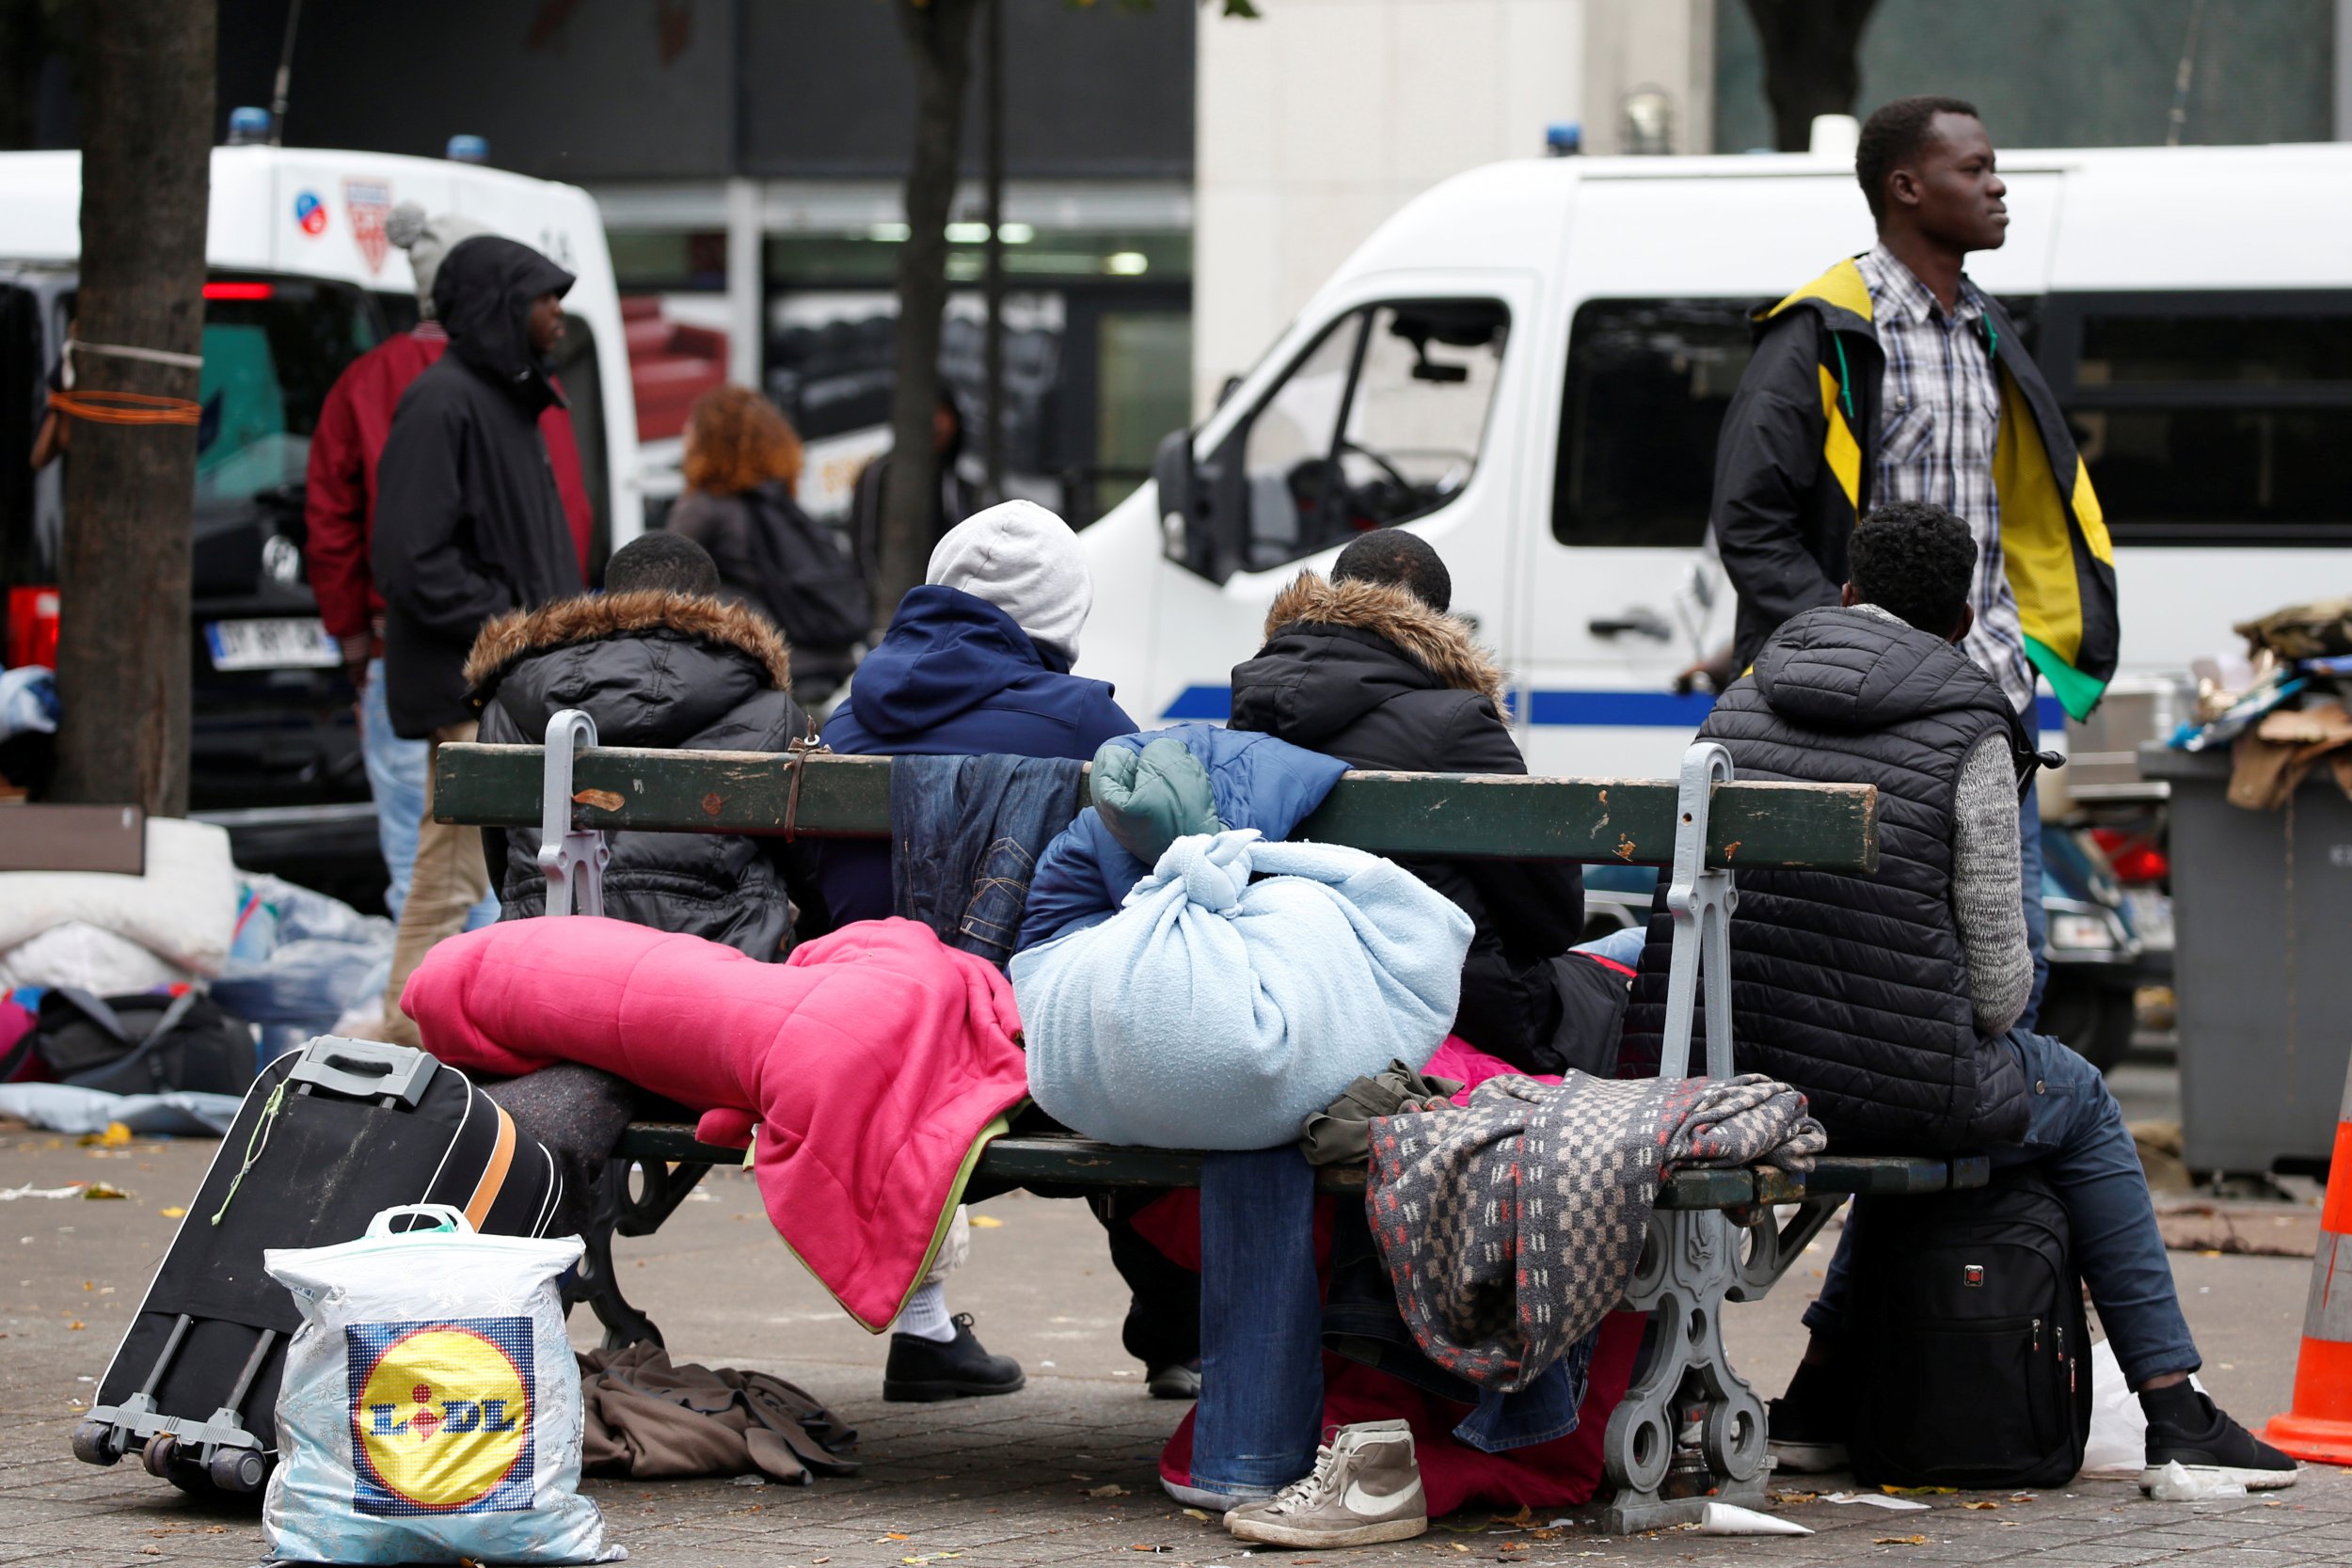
[93, 1443]
[156, 1456]
[237, 1469]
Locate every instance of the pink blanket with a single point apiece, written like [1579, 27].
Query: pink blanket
[873, 1061]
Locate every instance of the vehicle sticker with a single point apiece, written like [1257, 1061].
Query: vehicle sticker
[311, 214]
[367, 203]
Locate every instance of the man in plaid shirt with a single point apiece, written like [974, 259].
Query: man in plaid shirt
[1893, 378]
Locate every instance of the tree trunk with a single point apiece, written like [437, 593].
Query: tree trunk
[939, 40]
[123, 634]
[1812, 62]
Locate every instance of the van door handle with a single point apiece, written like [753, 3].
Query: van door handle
[1641, 623]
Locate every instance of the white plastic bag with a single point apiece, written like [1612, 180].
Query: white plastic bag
[431, 1406]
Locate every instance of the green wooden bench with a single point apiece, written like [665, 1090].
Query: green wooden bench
[1689, 1428]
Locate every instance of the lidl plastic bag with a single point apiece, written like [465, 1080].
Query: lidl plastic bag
[431, 1408]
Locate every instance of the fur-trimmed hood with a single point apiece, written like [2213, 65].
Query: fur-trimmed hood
[652, 668]
[1440, 643]
[595, 617]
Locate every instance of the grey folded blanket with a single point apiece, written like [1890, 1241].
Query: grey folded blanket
[1509, 1226]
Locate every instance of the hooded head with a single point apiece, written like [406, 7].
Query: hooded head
[427, 240]
[483, 292]
[1024, 560]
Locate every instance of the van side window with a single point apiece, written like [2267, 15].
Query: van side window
[2212, 418]
[1381, 422]
[1647, 383]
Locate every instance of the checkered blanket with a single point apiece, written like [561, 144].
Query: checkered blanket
[1510, 1225]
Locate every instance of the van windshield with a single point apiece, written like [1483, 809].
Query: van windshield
[272, 349]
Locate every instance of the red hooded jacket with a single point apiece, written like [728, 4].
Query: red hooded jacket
[340, 510]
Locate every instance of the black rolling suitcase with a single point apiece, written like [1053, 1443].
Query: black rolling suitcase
[328, 1137]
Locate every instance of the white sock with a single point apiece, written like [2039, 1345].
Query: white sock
[925, 1315]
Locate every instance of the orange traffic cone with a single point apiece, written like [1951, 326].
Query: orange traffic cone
[2320, 1425]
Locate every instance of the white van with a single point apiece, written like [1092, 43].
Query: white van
[1529, 365]
[301, 280]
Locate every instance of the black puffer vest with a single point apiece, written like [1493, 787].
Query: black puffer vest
[1854, 989]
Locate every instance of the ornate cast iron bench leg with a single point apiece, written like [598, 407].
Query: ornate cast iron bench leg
[599, 1284]
[1690, 1429]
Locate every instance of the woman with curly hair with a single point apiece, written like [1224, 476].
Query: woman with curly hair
[742, 463]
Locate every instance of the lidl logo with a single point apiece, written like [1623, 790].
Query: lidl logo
[440, 1415]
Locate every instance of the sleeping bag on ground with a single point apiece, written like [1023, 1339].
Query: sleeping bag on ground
[1212, 1012]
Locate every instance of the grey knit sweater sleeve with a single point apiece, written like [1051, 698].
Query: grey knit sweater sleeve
[1986, 895]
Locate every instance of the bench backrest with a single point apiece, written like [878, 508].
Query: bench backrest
[1700, 826]
[1633, 821]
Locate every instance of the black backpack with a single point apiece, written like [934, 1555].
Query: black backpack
[814, 590]
[1969, 1353]
[142, 1043]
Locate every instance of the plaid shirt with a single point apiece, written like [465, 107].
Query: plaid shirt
[1941, 415]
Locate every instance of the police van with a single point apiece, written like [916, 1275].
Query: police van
[301, 280]
[1529, 365]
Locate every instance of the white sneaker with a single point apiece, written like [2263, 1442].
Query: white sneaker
[1366, 1488]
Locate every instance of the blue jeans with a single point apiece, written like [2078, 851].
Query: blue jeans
[2078, 1139]
[1260, 1410]
[396, 783]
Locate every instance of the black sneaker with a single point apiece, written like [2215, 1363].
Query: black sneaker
[1178, 1380]
[2214, 1448]
[922, 1370]
[1807, 1425]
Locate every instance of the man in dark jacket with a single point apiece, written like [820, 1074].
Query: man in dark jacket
[1912, 980]
[1892, 378]
[976, 661]
[338, 518]
[1369, 668]
[469, 524]
[657, 661]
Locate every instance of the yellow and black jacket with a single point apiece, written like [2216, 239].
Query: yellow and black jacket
[1799, 453]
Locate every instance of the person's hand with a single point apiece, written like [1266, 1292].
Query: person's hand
[355, 651]
[1715, 671]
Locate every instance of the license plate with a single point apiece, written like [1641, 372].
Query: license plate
[293, 643]
[2151, 916]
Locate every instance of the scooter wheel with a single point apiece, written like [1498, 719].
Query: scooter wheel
[156, 1456]
[237, 1469]
[93, 1443]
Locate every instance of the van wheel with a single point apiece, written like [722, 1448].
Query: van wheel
[2096, 1019]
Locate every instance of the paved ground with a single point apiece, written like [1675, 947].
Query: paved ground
[1019, 1481]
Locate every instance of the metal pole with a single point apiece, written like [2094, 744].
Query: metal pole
[992, 440]
[285, 76]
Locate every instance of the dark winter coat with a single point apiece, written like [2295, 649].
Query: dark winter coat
[1854, 989]
[775, 558]
[1372, 676]
[662, 671]
[1800, 452]
[469, 522]
[955, 677]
